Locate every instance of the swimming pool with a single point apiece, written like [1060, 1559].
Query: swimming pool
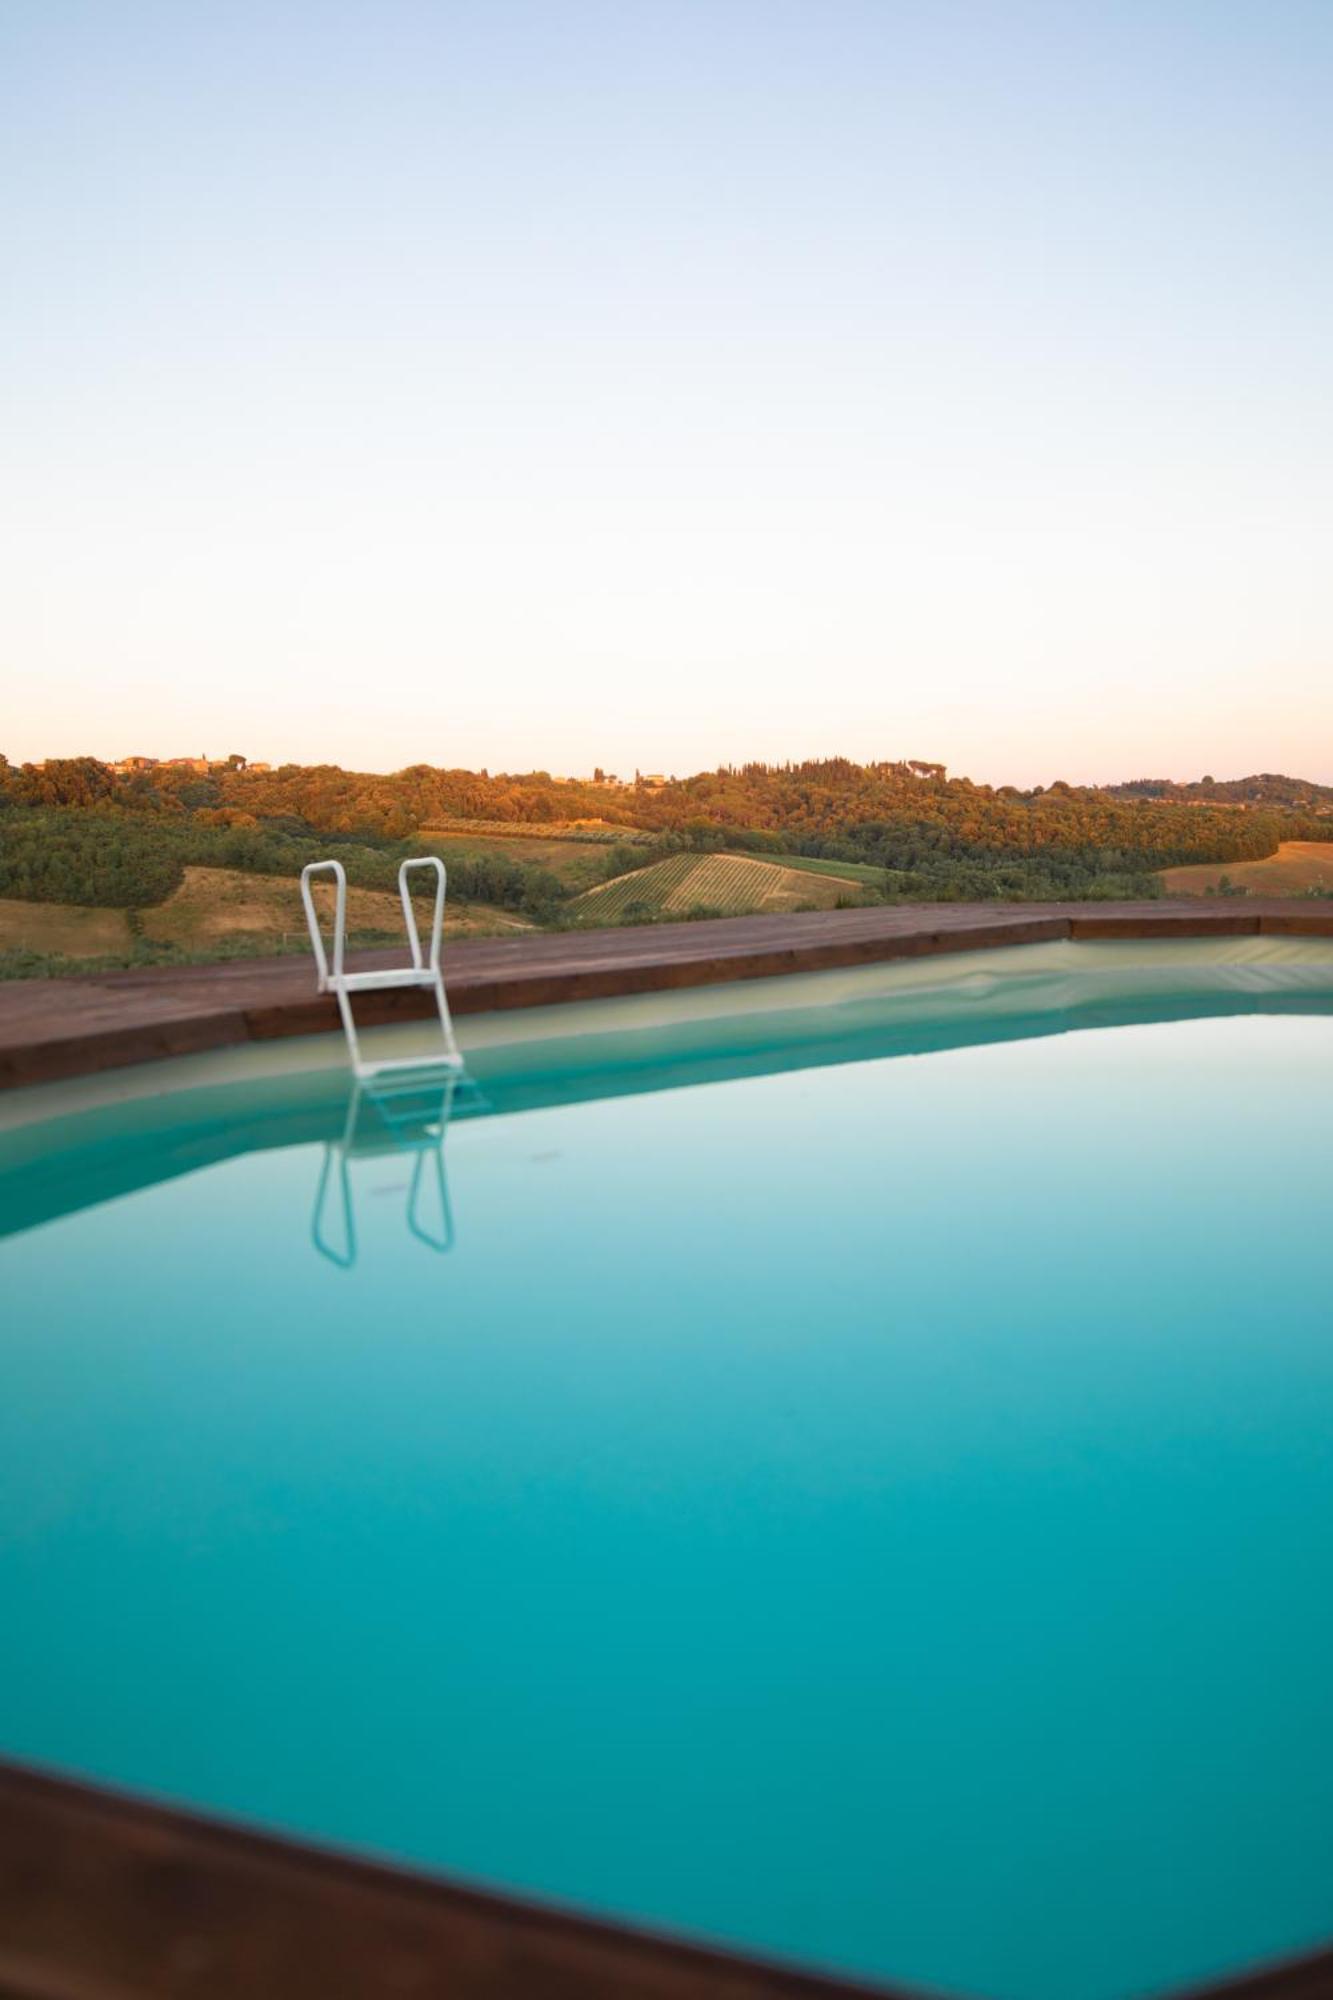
[836, 1466]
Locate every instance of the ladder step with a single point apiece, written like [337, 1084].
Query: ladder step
[362, 982]
[405, 1066]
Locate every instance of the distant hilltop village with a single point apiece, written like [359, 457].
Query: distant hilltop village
[651, 780]
[133, 767]
[130, 767]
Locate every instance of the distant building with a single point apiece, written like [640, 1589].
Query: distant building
[259, 767]
[129, 767]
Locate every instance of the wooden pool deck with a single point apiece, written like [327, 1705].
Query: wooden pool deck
[107, 1897]
[54, 1028]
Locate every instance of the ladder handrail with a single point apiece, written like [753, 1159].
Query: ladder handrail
[334, 978]
[410, 915]
[346, 1257]
[311, 869]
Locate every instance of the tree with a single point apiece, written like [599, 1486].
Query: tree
[64, 781]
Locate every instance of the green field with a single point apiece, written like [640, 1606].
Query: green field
[576, 863]
[845, 871]
[734, 883]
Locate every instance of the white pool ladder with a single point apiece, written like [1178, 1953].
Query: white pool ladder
[422, 971]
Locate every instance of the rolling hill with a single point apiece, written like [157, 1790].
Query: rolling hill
[734, 883]
[222, 908]
[1298, 867]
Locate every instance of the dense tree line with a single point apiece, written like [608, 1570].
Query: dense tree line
[1265, 788]
[119, 860]
[75, 831]
[911, 814]
[896, 814]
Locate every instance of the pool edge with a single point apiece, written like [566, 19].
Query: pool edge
[55, 1029]
[107, 1896]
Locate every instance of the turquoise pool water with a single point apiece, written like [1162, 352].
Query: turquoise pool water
[857, 1485]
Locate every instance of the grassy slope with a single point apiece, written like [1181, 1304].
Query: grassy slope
[216, 903]
[577, 863]
[62, 928]
[1297, 866]
[216, 906]
[517, 836]
[732, 882]
[845, 871]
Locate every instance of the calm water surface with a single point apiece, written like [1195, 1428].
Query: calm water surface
[878, 1513]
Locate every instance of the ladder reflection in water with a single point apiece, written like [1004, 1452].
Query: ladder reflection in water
[386, 1115]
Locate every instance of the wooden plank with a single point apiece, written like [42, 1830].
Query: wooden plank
[103, 1897]
[106, 1897]
[53, 1028]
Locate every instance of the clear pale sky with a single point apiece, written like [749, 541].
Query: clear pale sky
[668, 382]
